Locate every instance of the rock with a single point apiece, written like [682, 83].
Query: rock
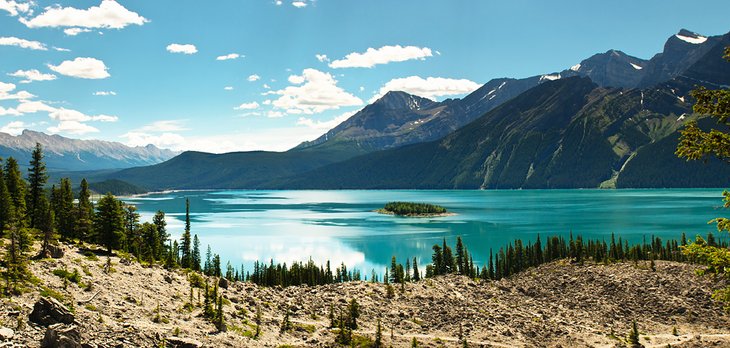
[61, 336]
[168, 278]
[6, 333]
[223, 283]
[180, 342]
[55, 251]
[48, 311]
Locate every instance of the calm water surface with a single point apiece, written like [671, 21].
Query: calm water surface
[340, 226]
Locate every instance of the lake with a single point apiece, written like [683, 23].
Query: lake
[340, 226]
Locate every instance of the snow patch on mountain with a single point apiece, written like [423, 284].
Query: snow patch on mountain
[693, 40]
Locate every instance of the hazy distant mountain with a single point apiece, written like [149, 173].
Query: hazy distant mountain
[66, 154]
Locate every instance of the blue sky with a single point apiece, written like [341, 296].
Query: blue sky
[235, 75]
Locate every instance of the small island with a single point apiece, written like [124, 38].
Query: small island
[411, 209]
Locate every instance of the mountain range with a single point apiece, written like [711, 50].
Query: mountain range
[66, 154]
[610, 121]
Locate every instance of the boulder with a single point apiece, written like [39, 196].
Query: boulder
[55, 251]
[61, 336]
[223, 283]
[6, 333]
[48, 311]
[181, 342]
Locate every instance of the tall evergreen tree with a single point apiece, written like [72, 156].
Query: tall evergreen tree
[37, 178]
[148, 231]
[7, 208]
[195, 254]
[109, 222]
[63, 209]
[460, 256]
[162, 236]
[416, 274]
[185, 240]
[83, 226]
[132, 238]
[16, 256]
[46, 225]
[17, 189]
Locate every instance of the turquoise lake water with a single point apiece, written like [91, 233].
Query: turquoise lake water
[340, 226]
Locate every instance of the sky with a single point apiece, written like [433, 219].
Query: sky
[240, 75]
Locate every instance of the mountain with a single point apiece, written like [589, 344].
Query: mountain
[548, 131]
[66, 154]
[567, 133]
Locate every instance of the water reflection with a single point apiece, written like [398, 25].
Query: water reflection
[340, 226]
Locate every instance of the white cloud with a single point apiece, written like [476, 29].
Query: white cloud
[69, 115]
[247, 106]
[278, 2]
[228, 88]
[229, 56]
[182, 48]
[30, 107]
[430, 87]
[61, 49]
[254, 77]
[383, 55]
[322, 58]
[6, 88]
[266, 86]
[9, 112]
[163, 126]
[14, 41]
[13, 7]
[109, 14]
[296, 79]
[299, 4]
[13, 128]
[323, 125]
[105, 93]
[274, 114]
[72, 127]
[75, 31]
[32, 75]
[319, 92]
[82, 67]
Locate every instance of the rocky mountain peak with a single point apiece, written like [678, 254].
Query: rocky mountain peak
[402, 100]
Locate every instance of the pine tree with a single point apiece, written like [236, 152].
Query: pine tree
[353, 314]
[460, 256]
[7, 208]
[416, 274]
[633, 339]
[83, 226]
[19, 243]
[37, 178]
[131, 229]
[148, 231]
[207, 269]
[109, 222]
[162, 236]
[17, 189]
[46, 225]
[185, 241]
[378, 336]
[63, 208]
[195, 255]
[414, 343]
[285, 323]
[393, 270]
[258, 321]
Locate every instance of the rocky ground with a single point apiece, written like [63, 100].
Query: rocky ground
[555, 305]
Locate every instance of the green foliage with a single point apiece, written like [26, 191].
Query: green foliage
[109, 222]
[633, 337]
[410, 208]
[37, 178]
[63, 273]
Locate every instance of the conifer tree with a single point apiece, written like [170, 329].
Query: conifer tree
[353, 314]
[414, 343]
[393, 270]
[185, 240]
[148, 231]
[633, 339]
[378, 343]
[131, 229]
[7, 208]
[258, 321]
[195, 254]
[285, 323]
[460, 256]
[207, 269]
[109, 222]
[63, 209]
[83, 226]
[416, 274]
[162, 236]
[37, 178]
[17, 189]
[19, 243]
[46, 225]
